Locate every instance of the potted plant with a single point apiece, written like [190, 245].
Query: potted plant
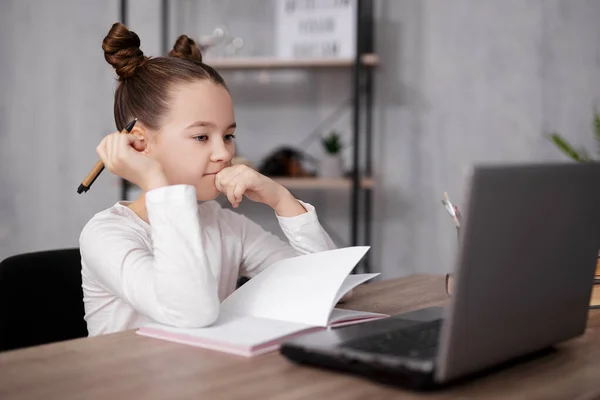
[331, 164]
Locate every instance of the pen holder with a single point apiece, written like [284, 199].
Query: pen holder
[449, 278]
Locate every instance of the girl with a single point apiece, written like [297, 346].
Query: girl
[171, 256]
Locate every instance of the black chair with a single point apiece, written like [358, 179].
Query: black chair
[41, 299]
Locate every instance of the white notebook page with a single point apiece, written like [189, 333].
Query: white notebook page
[300, 289]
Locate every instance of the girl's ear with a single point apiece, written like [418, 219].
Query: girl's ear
[138, 132]
[142, 134]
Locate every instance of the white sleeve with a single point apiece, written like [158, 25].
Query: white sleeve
[174, 285]
[261, 248]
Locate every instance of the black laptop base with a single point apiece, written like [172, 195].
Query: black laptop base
[399, 377]
[402, 377]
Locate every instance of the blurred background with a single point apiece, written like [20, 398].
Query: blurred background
[454, 83]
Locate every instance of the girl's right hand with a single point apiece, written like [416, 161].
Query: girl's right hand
[123, 155]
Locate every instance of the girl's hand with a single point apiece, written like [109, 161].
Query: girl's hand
[122, 154]
[239, 180]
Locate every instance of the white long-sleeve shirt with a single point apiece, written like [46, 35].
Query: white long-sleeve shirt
[177, 269]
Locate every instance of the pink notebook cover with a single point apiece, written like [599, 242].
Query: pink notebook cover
[212, 344]
[211, 338]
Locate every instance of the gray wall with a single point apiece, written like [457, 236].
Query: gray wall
[470, 81]
[461, 82]
[55, 106]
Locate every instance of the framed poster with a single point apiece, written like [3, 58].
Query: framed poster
[316, 29]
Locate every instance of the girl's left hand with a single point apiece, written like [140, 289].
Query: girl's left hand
[240, 180]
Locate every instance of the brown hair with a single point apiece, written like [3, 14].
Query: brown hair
[145, 82]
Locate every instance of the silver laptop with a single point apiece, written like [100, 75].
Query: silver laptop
[528, 249]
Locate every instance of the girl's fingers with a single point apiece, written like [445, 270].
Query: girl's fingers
[218, 182]
[231, 196]
[138, 144]
[226, 178]
[111, 150]
[114, 147]
[238, 192]
[101, 150]
[222, 179]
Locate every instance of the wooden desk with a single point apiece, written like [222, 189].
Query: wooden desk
[127, 366]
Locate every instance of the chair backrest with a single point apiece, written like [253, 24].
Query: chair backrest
[41, 299]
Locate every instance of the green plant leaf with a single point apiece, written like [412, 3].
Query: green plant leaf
[597, 131]
[567, 149]
[332, 143]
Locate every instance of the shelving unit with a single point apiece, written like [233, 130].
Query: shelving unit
[360, 183]
[368, 60]
[323, 183]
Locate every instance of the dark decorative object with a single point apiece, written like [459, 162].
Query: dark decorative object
[284, 161]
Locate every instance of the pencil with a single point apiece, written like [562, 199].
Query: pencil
[99, 167]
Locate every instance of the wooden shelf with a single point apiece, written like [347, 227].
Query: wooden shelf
[304, 183]
[371, 60]
[322, 183]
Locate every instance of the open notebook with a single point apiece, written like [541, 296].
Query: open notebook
[292, 297]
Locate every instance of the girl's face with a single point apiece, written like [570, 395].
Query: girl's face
[196, 139]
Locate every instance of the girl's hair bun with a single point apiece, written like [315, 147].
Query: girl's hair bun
[186, 48]
[122, 50]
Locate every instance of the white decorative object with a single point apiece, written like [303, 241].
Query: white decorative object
[316, 29]
[331, 166]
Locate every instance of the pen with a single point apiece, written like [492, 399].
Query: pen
[452, 210]
[99, 167]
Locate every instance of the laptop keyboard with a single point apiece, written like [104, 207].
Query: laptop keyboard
[418, 341]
